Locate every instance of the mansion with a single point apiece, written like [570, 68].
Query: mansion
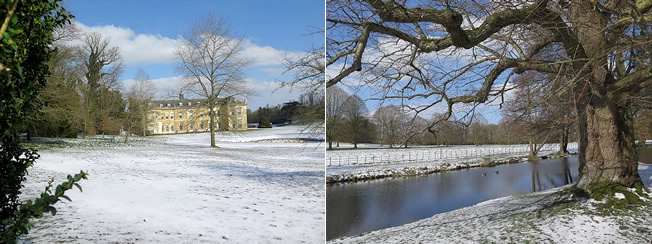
[191, 115]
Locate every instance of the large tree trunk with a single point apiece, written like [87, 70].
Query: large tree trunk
[212, 123]
[563, 141]
[607, 156]
[607, 152]
[145, 126]
[532, 156]
[127, 136]
[330, 145]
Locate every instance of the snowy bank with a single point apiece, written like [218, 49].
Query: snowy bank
[176, 189]
[548, 216]
[371, 162]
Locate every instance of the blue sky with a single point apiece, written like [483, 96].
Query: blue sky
[146, 31]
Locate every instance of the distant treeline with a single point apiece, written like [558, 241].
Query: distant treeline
[309, 108]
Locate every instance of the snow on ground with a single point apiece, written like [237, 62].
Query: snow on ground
[176, 189]
[542, 217]
[373, 160]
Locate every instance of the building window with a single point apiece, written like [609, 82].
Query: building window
[189, 104]
[201, 126]
[160, 105]
[180, 104]
[168, 105]
[166, 115]
[181, 127]
[190, 126]
[189, 114]
[181, 115]
[167, 128]
[172, 115]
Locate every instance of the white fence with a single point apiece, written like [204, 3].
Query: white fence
[360, 157]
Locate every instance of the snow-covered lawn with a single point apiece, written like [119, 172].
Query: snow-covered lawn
[176, 189]
[373, 160]
[543, 217]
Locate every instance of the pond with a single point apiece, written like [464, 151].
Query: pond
[354, 208]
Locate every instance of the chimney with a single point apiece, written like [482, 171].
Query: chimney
[180, 96]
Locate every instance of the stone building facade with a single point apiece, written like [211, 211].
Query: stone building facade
[191, 115]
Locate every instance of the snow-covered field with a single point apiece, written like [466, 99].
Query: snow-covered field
[543, 217]
[176, 189]
[373, 160]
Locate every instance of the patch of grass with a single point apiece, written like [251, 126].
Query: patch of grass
[487, 162]
[607, 190]
[43, 145]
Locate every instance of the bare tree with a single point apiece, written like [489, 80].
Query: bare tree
[308, 75]
[356, 124]
[388, 122]
[139, 95]
[530, 107]
[335, 98]
[102, 66]
[463, 52]
[309, 70]
[211, 60]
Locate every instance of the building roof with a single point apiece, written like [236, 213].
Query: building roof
[188, 103]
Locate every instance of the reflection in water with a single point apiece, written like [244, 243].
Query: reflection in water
[360, 207]
[644, 154]
[536, 178]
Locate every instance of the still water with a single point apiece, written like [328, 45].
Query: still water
[355, 208]
[360, 207]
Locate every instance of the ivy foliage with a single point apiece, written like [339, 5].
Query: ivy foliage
[20, 225]
[25, 48]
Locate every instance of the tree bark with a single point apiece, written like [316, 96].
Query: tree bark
[607, 155]
[532, 155]
[211, 106]
[607, 152]
[563, 141]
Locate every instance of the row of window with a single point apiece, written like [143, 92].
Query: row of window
[180, 104]
[169, 128]
[171, 115]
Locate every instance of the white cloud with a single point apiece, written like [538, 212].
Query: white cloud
[266, 55]
[136, 48]
[165, 87]
[157, 49]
